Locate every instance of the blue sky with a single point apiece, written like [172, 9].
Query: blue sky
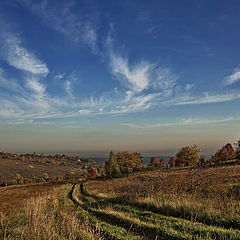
[91, 76]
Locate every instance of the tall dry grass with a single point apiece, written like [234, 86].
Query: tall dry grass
[210, 195]
[47, 217]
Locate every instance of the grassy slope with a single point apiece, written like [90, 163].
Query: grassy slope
[151, 225]
[42, 212]
[160, 204]
[154, 205]
[10, 167]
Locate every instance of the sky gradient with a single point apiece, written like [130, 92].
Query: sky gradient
[93, 76]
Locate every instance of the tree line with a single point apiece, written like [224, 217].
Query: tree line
[124, 163]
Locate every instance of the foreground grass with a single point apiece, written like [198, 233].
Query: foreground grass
[152, 225]
[186, 204]
[49, 216]
[109, 229]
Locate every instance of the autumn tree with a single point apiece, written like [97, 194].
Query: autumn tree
[153, 162]
[172, 162]
[92, 173]
[225, 153]
[188, 156]
[129, 162]
[238, 150]
[112, 167]
[162, 163]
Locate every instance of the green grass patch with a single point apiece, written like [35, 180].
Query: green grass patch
[168, 227]
[107, 229]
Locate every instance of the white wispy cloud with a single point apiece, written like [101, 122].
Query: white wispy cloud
[163, 79]
[84, 112]
[38, 98]
[138, 76]
[69, 84]
[16, 55]
[68, 88]
[10, 109]
[62, 17]
[233, 78]
[205, 98]
[184, 122]
[189, 86]
[26, 98]
[144, 83]
[133, 77]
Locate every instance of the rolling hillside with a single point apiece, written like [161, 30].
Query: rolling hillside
[160, 204]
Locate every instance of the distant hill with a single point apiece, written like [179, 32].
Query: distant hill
[55, 166]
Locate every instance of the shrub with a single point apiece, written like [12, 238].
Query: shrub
[59, 178]
[188, 156]
[69, 176]
[19, 179]
[46, 177]
[92, 173]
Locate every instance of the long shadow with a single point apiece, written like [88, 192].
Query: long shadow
[147, 232]
[169, 211]
[106, 235]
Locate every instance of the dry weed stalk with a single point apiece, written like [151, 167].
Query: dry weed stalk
[4, 225]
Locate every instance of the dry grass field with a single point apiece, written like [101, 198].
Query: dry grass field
[183, 203]
[11, 167]
[41, 212]
[161, 204]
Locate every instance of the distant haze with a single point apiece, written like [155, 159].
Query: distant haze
[161, 141]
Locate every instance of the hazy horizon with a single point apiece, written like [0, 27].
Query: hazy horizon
[92, 76]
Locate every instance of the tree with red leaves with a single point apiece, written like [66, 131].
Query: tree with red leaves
[238, 150]
[153, 162]
[92, 173]
[225, 153]
[172, 162]
[162, 163]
